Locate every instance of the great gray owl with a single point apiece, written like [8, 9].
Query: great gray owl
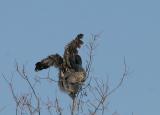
[71, 73]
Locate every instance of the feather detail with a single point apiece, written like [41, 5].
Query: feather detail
[52, 60]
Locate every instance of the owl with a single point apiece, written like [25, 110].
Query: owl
[71, 75]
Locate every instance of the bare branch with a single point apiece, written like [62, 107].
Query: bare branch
[58, 107]
[102, 90]
[122, 79]
[23, 75]
[91, 46]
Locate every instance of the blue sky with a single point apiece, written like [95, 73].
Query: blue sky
[33, 29]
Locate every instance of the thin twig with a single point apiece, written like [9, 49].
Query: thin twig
[25, 77]
[122, 79]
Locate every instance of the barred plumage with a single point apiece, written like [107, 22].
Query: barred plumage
[71, 73]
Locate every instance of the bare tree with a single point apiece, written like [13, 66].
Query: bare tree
[91, 98]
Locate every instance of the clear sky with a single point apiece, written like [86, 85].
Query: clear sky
[33, 29]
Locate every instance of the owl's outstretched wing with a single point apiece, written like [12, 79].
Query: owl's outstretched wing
[52, 60]
[71, 51]
[71, 48]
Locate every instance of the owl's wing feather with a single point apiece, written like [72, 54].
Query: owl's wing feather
[53, 60]
[71, 50]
